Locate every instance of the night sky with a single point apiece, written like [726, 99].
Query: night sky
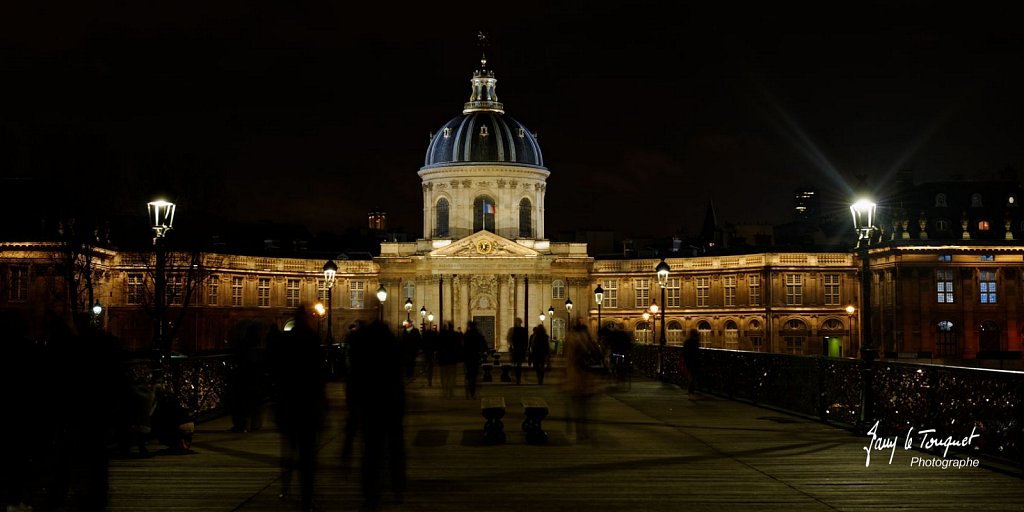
[315, 114]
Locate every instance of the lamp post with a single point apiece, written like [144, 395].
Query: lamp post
[568, 312]
[598, 298]
[551, 319]
[97, 309]
[647, 317]
[382, 297]
[662, 269]
[542, 317]
[423, 318]
[161, 219]
[850, 310]
[863, 223]
[408, 310]
[319, 311]
[430, 318]
[330, 274]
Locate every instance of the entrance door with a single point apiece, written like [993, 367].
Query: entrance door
[833, 346]
[485, 324]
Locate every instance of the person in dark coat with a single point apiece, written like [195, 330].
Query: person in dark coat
[300, 379]
[691, 358]
[375, 395]
[518, 339]
[411, 342]
[474, 346]
[539, 351]
[449, 352]
[429, 338]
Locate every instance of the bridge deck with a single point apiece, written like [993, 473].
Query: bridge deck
[651, 448]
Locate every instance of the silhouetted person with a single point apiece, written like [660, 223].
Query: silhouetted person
[580, 350]
[246, 381]
[172, 424]
[21, 397]
[540, 350]
[474, 346]
[300, 379]
[518, 339]
[376, 400]
[411, 342]
[691, 358]
[449, 353]
[429, 338]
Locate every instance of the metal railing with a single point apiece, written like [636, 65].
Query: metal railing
[952, 400]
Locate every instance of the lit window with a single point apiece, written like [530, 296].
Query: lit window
[794, 290]
[558, 289]
[731, 335]
[831, 289]
[611, 293]
[987, 286]
[483, 131]
[447, 132]
[236, 291]
[729, 290]
[982, 225]
[521, 133]
[987, 258]
[672, 293]
[263, 292]
[18, 283]
[213, 290]
[175, 290]
[135, 289]
[642, 333]
[754, 282]
[945, 258]
[292, 298]
[704, 328]
[321, 291]
[674, 333]
[703, 287]
[944, 286]
[356, 293]
[642, 295]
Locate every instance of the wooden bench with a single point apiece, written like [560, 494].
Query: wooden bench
[493, 409]
[535, 409]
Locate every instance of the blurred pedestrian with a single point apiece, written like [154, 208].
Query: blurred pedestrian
[518, 339]
[449, 352]
[246, 381]
[375, 396]
[411, 342]
[301, 404]
[474, 346]
[429, 338]
[691, 358]
[540, 350]
[580, 385]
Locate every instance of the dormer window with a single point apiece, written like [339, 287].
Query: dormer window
[940, 199]
[483, 131]
[976, 200]
[447, 132]
[521, 133]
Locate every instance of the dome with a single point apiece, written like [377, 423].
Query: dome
[483, 133]
[483, 136]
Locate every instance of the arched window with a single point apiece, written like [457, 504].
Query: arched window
[731, 335]
[940, 199]
[794, 334]
[483, 214]
[642, 333]
[525, 218]
[558, 289]
[755, 336]
[832, 325]
[704, 328]
[441, 222]
[945, 339]
[674, 333]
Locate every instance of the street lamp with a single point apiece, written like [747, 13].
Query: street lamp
[542, 317]
[423, 317]
[599, 298]
[408, 310]
[161, 220]
[647, 317]
[551, 319]
[330, 274]
[430, 319]
[568, 311]
[382, 296]
[662, 269]
[863, 212]
[97, 309]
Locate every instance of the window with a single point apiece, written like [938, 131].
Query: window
[292, 293]
[672, 293]
[558, 289]
[794, 289]
[611, 293]
[175, 289]
[945, 258]
[408, 292]
[732, 335]
[831, 289]
[236, 291]
[794, 332]
[263, 292]
[729, 290]
[755, 336]
[213, 290]
[987, 286]
[356, 294]
[944, 286]
[704, 328]
[642, 333]
[987, 258]
[940, 200]
[982, 225]
[18, 291]
[642, 295]
[945, 339]
[441, 222]
[558, 329]
[483, 214]
[754, 283]
[525, 218]
[674, 333]
[321, 291]
[135, 289]
[703, 287]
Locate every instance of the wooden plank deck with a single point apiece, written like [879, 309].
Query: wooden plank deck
[652, 449]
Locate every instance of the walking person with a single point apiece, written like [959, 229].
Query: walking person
[449, 352]
[473, 348]
[301, 405]
[580, 349]
[540, 350]
[375, 396]
[518, 340]
[429, 337]
[691, 358]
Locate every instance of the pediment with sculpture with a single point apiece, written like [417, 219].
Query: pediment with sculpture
[484, 244]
